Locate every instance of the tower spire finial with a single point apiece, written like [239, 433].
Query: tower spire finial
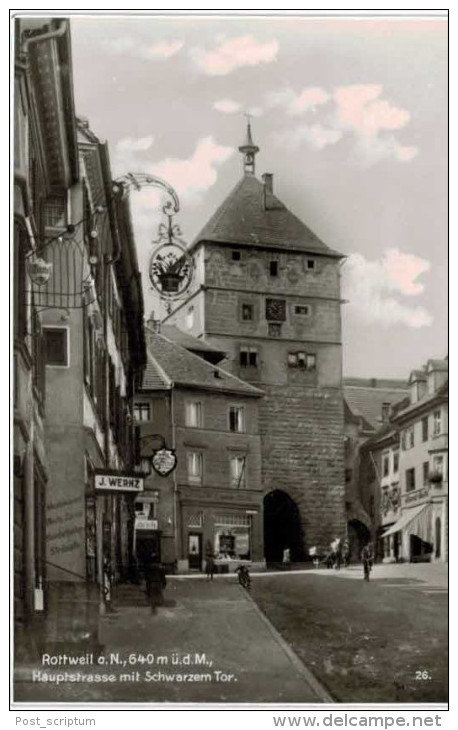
[248, 150]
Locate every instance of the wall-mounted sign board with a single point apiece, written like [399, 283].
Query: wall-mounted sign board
[117, 482]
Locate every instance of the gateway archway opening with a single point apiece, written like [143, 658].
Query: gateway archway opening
[282, 527]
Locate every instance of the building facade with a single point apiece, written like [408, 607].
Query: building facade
[369, 405]
[423, 466]
[212, 501]
[45, 166]
[268, 294]
[95, 353]
[404, 472]
[79, 345]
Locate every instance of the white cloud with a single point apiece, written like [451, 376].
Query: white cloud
[192, 176]
[296, 104]
[226, 106]
[357, 112]
[370, 285]
[156, 52]
[166, 49]
[234, 53]
[130, 155]
[316, 135]
[129, 144]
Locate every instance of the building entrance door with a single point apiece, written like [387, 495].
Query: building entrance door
[195, 551]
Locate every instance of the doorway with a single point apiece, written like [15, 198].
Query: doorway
[195, 550]
[282, 528]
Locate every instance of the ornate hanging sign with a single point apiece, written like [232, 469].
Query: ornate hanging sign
[39, 271]
[164, 461]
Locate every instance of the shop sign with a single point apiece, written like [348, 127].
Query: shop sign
[143, 524]
[118, 482]
[164, 461]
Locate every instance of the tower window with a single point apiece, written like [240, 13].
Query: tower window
[310, 263]
[247, 312]
[274, 268]
[236, 256]
[302, 310]
[249, 357]
[303, 360]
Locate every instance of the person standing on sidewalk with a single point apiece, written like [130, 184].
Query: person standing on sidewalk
[209, 561]
[367, 556]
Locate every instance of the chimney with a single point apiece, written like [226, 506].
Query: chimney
[153, 324]
[268, 180]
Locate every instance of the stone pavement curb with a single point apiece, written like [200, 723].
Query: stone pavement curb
[305, 673]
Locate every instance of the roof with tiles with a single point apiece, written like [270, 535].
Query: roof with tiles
[245, 218]
[441, 393]
[169, 365]
[193, 344]
[366, 401]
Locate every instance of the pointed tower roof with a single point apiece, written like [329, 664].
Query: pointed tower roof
[248, 150]
[252, 215]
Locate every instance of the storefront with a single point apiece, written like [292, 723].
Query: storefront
[233, 536]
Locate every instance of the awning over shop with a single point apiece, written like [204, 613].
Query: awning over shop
[417, 519]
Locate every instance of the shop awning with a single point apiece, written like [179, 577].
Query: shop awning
[417, 519]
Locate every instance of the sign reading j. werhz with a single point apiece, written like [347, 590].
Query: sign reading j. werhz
[117, 481]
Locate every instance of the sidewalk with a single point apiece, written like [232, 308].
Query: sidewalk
[246, 660]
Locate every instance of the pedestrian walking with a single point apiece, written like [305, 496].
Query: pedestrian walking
[367, 557]
[209, 561]
[286, 562]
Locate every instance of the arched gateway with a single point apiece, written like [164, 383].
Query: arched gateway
[282, 527]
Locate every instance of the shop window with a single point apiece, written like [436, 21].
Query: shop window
[193, 411]
[249, 357]
[238, 470]
[410, 480]
[142, 411]
[56, 346]
[437, 423]
[232, 537]
[237, 419]
[424, 428]
[195, 467]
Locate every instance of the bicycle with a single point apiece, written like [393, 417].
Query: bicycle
[244, 577]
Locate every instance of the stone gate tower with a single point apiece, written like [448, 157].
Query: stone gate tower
[268, 294]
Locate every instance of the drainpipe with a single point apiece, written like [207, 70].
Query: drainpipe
[56, 33]
[175, 486]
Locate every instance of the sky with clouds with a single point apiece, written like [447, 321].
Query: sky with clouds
[350, 115]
